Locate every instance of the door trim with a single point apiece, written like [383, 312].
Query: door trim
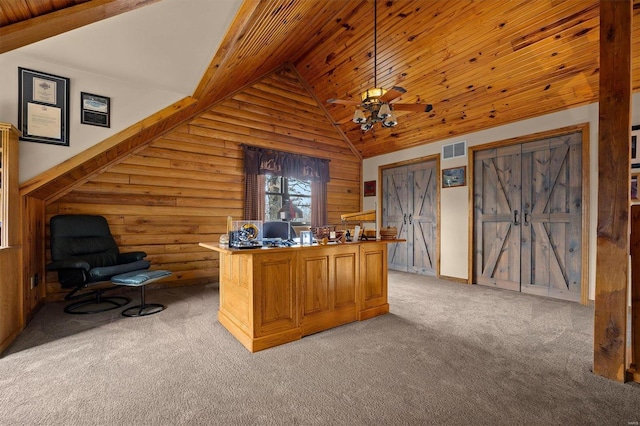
[426, 158]
[583, 129]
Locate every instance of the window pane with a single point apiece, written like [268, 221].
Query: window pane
[273, 184]
[278, 190]
[272, 203]
[299, 187]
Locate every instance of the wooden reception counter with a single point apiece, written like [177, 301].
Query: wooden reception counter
[271, 296]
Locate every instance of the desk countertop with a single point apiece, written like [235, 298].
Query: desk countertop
[225, 249]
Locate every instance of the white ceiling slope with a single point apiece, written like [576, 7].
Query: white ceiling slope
[166, 45]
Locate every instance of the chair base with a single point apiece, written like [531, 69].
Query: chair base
[94, 306]
[143, 310]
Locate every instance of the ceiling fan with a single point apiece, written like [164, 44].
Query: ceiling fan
[375, 103]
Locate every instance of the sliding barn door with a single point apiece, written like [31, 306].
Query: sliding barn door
[422, 219]
[395, 184]
[528, 217]
[497, 199]
[410, 204]
[552, 217]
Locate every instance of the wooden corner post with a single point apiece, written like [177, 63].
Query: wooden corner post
[612, 276]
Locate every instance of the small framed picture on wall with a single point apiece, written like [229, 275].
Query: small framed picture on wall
[95, 110]
[370, 188]
[454, 176]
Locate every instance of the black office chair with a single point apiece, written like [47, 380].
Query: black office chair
[84, 253]
[278, 229]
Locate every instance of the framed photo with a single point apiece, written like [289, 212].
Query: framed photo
[370, 188]
[634, 188]
[635, 148]
[95, 110]
[454, 176]
[43, 102]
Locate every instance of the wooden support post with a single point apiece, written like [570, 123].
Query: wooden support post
[634, 371]
[613, 190]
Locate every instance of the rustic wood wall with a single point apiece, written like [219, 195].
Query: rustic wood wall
[179, 189]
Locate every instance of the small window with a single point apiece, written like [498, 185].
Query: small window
[287, 199]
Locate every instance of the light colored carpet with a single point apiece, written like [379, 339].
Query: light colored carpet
[447, 354]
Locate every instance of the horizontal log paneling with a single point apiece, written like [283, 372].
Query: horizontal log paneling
[179, 190]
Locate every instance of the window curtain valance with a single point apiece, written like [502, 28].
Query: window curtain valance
[259, 161]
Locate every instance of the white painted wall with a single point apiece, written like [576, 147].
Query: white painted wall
[129, 104]
[144, 60]
[454, 202]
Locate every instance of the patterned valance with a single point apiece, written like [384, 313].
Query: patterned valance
[259, 161]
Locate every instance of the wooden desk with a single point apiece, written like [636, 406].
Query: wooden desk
[271, 296]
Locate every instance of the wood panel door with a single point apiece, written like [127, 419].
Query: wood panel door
[410, 204]
[422, 218]
[497, 199]
[395, 184]
[528, 217]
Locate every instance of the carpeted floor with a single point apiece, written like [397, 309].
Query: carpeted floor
[447, 354]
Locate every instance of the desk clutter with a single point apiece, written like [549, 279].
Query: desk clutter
[245, 234]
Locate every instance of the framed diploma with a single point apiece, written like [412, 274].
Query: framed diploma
[95, 109]
[43, 100]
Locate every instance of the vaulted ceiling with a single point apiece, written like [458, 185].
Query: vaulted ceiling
[481, 64]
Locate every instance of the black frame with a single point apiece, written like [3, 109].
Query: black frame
[51, 102]
[96, 115]
[635, 148]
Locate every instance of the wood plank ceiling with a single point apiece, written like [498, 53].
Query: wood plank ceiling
[481, 64]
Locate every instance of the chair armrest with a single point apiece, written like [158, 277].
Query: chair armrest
[68, 264]
[131, 256]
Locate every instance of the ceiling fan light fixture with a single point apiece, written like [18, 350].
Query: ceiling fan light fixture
[385, 111]
[390, 120]
[366, 126]
[358, 116]
[371, 95]
[374, 106]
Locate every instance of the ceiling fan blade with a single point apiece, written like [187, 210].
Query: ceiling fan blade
[344, 120]
[392, 93]
[342, 101]
[413, 107]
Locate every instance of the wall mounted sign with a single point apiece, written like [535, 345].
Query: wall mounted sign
[455, 176]
[43, 100]
[95, 110]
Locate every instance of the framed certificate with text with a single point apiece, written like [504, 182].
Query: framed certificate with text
[43, 102]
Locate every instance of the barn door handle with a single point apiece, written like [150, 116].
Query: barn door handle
[526, 218]
[515, 218]
[405, 218]
[410, 218]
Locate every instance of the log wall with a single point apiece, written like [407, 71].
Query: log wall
[178, 190]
